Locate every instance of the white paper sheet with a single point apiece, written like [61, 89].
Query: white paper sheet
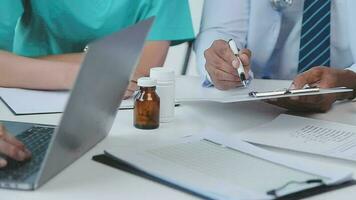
[188, 88]
[23, 102]
[306, 135]
[214, 165]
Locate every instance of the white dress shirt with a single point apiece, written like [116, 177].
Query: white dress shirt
[226, 19]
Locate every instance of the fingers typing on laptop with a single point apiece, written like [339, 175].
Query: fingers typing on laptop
[11, 147]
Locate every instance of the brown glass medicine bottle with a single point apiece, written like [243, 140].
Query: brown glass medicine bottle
[147, 105]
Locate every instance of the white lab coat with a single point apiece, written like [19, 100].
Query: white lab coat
[256, 25]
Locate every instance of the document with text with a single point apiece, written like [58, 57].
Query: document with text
[214, 166]
[306, 135]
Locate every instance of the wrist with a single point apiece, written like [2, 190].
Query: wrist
[141, 72]
[69, 76]
[348, 80]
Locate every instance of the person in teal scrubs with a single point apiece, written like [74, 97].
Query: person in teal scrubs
[42, 42]
[54, 33]
[9, 13]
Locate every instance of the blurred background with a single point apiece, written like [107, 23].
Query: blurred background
[177, 54]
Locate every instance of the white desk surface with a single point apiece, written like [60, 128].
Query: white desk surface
[86, 179]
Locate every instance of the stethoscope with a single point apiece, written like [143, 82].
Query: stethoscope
[280, 5]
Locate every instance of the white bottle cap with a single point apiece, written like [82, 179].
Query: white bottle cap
[146, 82]
[162, 74]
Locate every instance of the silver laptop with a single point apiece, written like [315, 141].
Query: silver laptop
[89, 114]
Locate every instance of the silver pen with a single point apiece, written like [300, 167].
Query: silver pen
[240, 69]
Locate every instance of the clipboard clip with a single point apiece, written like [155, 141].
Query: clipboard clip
[274, 192]
[283, 92]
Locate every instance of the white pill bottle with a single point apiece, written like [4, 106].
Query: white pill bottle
[166, 91]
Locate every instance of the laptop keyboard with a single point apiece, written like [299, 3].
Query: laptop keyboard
[36, 139]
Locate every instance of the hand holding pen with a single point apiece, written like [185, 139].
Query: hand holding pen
[237, 62]
[226, 69]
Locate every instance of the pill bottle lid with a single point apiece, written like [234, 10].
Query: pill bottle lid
[162, 74]
[146, 82]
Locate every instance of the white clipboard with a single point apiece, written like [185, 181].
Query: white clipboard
[214, 166]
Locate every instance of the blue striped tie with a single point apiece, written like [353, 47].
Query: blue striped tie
[315, 35]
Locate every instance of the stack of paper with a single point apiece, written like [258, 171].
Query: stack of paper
[306, 135]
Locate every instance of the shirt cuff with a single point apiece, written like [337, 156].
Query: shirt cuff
[208, 83]
[352, 68]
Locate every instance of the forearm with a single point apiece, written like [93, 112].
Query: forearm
[70, 58]
[348, 80]
[154, 54]
[22, 72]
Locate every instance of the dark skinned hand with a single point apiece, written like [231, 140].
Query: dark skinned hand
[323, 77]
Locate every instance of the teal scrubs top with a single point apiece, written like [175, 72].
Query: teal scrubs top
[64, 26]
[10, 11]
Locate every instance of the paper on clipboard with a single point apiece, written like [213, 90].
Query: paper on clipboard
[197, 93]
[213, 165]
